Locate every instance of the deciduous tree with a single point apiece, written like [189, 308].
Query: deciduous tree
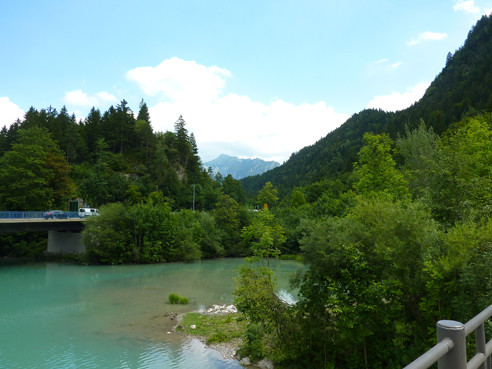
[375, 170]
[34, 174]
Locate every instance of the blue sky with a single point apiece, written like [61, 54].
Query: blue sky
[251, 78]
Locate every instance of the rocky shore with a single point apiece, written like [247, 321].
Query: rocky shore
[228, 349]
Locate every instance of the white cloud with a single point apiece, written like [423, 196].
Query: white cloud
[427, 36]
[9, 112]
[467, 6]
[231, 123]
[82, 99]
[395, 65]
[399, 101]
[177, 79]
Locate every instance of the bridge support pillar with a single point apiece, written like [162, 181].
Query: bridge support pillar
[65, 242]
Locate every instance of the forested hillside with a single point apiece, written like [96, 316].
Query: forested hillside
[107, 157]
[115, 161]
[463, 88]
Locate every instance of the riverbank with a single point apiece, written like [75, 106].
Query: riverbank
[221, 329]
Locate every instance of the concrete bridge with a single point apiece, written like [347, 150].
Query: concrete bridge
[64, 235]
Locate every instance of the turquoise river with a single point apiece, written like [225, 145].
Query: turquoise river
[71, 316]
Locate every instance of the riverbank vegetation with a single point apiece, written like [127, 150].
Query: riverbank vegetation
[213, 328]
[407, 245]
[391, 213]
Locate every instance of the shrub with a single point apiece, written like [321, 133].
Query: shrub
[174, 298]
[254, 347]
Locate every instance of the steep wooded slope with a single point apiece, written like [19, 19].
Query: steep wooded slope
[464, 87]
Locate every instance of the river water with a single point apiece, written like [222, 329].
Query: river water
[71, 316]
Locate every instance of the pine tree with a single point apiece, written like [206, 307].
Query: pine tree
[143, 112]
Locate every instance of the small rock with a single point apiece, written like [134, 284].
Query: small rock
[193, 326]
[222, 309]
[245, 361]
[265, 364]
[168, 332]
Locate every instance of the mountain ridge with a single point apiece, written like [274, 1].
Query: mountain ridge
[239, 168]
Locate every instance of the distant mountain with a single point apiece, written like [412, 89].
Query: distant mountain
[239, 168]
[463, 88]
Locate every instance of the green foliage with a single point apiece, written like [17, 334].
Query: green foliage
[23, 245]
[254, 346]
[459, 281]
[297, 199]
[34, 173]
[230, 218]
[121, 234]
[254, 294]
[188, 233]
[149, 232]
[418, 149]
[265, 236]
[267, 196]
[232, 187]
[154, 233]
[272, 330]
[365, 280]
[464, 171]
[114, 157]
[375, 170]
[174, 298]
[208, 236]
[106, 236]
[99, 185]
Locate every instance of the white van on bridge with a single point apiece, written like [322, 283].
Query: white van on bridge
[87, 212]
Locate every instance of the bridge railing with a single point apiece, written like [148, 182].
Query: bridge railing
[32, 214]
[450, 350]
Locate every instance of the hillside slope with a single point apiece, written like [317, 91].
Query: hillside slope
[464, 87]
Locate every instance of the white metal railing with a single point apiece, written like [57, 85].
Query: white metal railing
[450, 350]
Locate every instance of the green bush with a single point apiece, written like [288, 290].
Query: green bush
[123, 234]
[174, 298]
[254, 347]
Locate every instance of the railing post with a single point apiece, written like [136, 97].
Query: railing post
[480, 344]
[456, 358]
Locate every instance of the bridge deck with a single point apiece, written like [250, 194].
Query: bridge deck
[41, 225]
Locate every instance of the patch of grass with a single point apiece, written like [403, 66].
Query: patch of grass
[214, 328]
[296, 257]
[174, 298]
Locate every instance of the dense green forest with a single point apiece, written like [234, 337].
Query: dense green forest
[116, 159]
[391, 213]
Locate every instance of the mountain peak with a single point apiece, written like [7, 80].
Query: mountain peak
[239, 168]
